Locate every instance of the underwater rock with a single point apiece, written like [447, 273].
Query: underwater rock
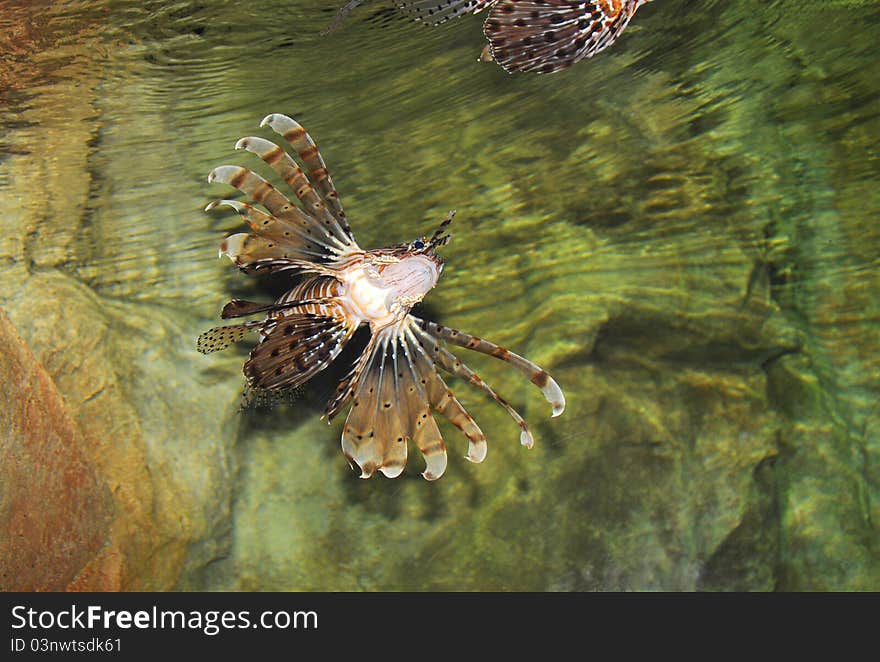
[77, 363]
[167, 495]
[680, 231]
[71, 276]
[55, 508]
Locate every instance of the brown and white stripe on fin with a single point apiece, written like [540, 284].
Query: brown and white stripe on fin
[252, 252]
[375, 432]
[392, 391]
[279, 206]
[430, 385]
[453, 365]
[297, 236]
[308, 151]
[535, 373]
[249, 251]
[545, 36]
[298, 347]
[282, 163]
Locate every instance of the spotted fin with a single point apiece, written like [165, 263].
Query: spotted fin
[298, 346]
[535, 373]
[436, 12]
[392, 392]
[545, 36]
[221, 337]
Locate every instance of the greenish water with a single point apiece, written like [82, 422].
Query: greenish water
[682, 230]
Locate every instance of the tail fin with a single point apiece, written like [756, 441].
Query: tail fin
[221, 337]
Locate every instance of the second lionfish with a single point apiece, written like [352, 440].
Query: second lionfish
[395, 383]
[542, 36]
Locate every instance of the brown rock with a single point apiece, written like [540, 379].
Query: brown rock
[55, 509]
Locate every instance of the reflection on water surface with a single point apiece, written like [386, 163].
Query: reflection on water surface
[681, 229]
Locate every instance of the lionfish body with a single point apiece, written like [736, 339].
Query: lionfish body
[541, 36]
[395, 383]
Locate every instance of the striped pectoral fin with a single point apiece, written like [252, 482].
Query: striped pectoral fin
[448, 405]
[535, 373]
[392, 411]
[221, 337]
[441, 396]
[390, 403]
[347, 386]
[311, 157]
[296, 179]
[545, 36]
[551, 390]
[453, 365]
[393, 389]
[250, 251]
[254, 186]
[360, 445]
[430, 443]
[386, 410]
[277, 203]
[298, 346]
[375, 433]
[294, 231]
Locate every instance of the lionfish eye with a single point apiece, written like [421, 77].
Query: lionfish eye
[418, 244]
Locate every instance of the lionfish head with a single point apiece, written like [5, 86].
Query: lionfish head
[418, 266]
[428, 246]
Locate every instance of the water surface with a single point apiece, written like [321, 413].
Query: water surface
[682, 230]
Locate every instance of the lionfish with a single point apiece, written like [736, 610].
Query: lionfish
[543, 36]
[395, 382]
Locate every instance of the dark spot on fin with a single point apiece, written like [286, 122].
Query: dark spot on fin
[541, 379]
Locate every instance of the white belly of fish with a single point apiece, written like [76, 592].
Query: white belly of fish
[365, 297]
[379, 299]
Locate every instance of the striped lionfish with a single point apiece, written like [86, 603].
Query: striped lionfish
[530, 35]
[395, 382]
